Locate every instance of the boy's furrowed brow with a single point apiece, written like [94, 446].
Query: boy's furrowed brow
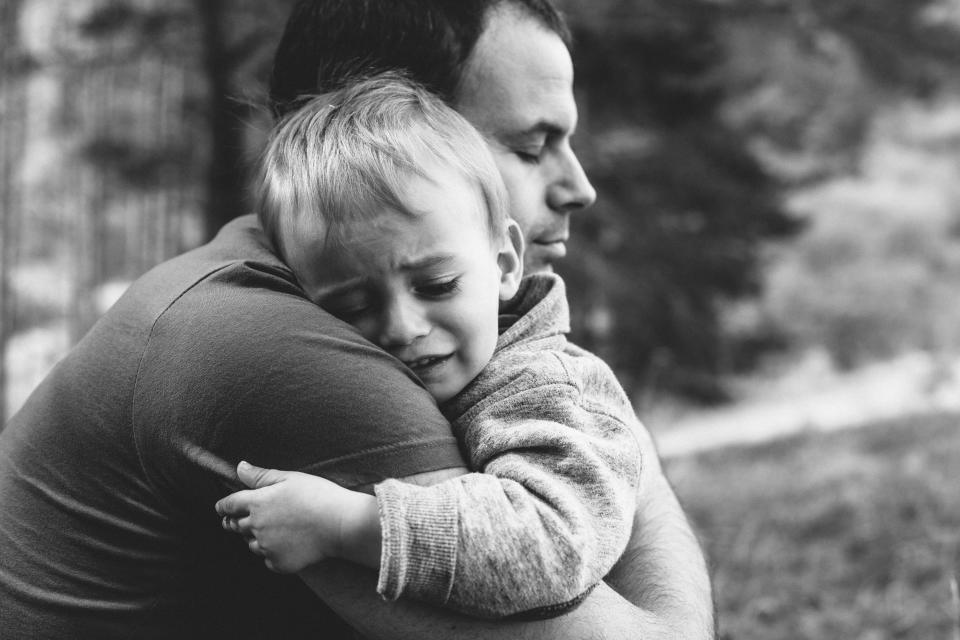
[437, 260]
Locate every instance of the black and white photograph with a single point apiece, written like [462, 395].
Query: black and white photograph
[480, 319]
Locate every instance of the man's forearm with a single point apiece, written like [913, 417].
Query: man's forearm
[663, 569]
[350, 591]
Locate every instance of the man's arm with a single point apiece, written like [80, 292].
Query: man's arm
[349, 591]
[663, 570]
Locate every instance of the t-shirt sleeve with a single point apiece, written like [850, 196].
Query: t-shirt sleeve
[237, 371]
[548, 517]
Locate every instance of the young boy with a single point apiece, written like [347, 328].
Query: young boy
[388, 207]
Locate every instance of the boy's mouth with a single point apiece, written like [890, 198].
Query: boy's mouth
[426, 363]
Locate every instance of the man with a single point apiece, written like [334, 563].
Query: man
[505, 65]
[109, 472]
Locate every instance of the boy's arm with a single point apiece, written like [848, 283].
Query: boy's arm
[544, 522]
[662, 574]
[532, 535]
[604, 614]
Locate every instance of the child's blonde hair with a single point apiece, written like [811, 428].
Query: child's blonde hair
[342, 157]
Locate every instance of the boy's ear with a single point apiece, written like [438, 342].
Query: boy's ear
[510, 261]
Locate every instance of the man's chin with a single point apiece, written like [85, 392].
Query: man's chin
[540, 258]
[537, 267]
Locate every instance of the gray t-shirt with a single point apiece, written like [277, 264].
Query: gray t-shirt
[109, 473]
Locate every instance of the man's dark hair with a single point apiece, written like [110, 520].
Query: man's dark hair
[328, 43]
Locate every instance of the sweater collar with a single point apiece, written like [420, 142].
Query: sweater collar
[539, 310]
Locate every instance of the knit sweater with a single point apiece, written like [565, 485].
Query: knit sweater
[549, 432]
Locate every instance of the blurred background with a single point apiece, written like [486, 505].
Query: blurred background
[774, 254]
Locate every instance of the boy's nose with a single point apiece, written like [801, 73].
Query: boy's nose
[402, 323]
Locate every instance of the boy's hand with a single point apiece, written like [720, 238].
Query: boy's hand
[294, 519]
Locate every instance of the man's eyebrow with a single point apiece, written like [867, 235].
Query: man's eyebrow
[540, 127]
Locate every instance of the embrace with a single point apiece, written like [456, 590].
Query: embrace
[385, 340]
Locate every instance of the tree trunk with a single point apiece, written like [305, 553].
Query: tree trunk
[225, 175]
[11, 126]
[114, 114]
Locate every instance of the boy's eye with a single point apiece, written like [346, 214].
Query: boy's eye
[349, 314]
[347, 308]
[438, 288]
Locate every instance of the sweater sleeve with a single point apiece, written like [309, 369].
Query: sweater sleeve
[550, 513]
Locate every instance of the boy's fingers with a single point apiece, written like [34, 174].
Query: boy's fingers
[257, 477]
[254, 546]
[241, 526]
[235, 504]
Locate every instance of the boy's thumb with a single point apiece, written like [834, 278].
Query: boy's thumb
[257, 477]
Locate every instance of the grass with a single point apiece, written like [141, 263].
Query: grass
[849, 535]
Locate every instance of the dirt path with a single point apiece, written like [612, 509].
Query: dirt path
[914, 384]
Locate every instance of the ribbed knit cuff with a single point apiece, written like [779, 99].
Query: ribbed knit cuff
[419, 551]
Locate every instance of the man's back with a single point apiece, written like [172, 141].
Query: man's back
[109, 473]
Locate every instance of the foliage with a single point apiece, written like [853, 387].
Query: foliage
[700, 120]
[851, 535]
[239, 37]
[129, 121]
[872, 280]
[685, 208]
[852, 105]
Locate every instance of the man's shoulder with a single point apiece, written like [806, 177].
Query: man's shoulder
[226, 324]
[238, 360]
[233, 287]
[239, 256]
[232, 304]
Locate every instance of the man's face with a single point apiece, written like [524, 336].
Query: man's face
[517, 89]
[424, 287]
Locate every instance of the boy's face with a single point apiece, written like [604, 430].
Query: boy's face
[425, 288]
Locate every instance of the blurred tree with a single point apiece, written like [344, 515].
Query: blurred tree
[126, 122]
[238, 37]
[112, 146]
[684, 208]
[698, 118]
[908, 46]
[805, 79]
[822, 91]
[13, 66]
[135, 117]
[123, 129]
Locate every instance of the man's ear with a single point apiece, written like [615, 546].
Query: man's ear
[510, 260]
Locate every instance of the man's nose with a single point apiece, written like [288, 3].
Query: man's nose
[571, 191]
[402, 323]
